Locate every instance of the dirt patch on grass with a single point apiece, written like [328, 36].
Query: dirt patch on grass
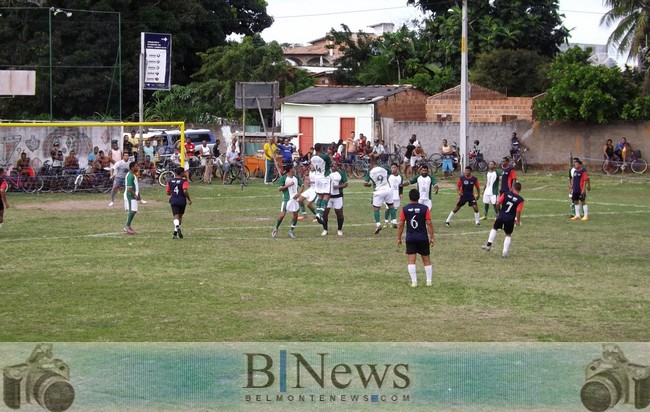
[76, 204]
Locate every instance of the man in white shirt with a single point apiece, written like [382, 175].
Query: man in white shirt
[378, 176]
[231, 157]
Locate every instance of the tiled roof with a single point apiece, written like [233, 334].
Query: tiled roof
[344, 94]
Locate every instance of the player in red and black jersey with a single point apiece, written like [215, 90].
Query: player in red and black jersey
[3, 196]
[508, 176]
[510, 205]
[466, 185]
[419, 236]
[178, 198]
[579, 186]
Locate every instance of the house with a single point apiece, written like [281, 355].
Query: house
[484, 105]
[325, 114]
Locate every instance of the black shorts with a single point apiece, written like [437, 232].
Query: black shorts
[469, 201]
[507, 225]
[178, 209]
[420, 247]
[578, 196]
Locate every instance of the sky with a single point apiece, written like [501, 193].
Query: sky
[300, 21]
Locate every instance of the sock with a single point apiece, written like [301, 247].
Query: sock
[585, 210]
[573, 209]
[386, 215]
[414, 277]
[113, 196]
[312, 209]
[376, 216]
[477, 217]
[496, 211]
[487, 207]
[294, 222]
[325, 222]
[176, 223]
[278, 223]
[302, 208]
[491, 237]
[393, 214]
[339, 223]
[506, 245]
[428, 270]
[129, 219]
[451, 216]
[577, 210]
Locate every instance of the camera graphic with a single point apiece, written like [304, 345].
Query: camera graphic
[612, 379]
[42, 379]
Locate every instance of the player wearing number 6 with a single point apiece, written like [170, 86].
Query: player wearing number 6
[510, 205]
[419, 236]
[179, 197]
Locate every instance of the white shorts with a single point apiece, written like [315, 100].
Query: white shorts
[322, 185]
[309, 194]
[396, 203]
[407, 160]
[131, 205]
[413, 160]
[426, 202]
[489, 198]
[335, 203]
[378, 198]
[291, 205]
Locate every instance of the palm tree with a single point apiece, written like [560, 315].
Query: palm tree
[632, 19]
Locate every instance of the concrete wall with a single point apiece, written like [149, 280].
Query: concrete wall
[550, 145]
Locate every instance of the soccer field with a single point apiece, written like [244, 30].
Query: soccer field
[69, 273]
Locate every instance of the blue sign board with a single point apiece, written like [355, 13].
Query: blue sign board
[157, 50]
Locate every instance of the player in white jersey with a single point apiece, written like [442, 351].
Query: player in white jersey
[321, 163]
[290, 185]
[339, 181]
[491, 189]
[378, 176]
[308, 195]
[425, 184]
[395, 181]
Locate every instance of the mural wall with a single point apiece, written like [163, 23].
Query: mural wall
[38, 142]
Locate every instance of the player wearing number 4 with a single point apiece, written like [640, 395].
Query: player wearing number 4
[291, 186]
[179, 197]
[419, 236]
[510, 205]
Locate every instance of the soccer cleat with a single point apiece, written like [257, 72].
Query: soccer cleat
[175, 235]
[324, 233]
[429, 284]
[291, 235]
[505, 255]
[394, 225]
[377, 229]
[584, 219]
[339, 232]
[478, 224]
[576, 217]
[486, 248]
[126, 230]
[484, 218]
[180, 232]
[447, 224]
[274, 233]
[130, 231]
[110, 203]
[414, 285]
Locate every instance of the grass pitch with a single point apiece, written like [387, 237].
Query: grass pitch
[69, 273]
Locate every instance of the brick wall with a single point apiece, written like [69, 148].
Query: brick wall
[488, 111]
[408, 106]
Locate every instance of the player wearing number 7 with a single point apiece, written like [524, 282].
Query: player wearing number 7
[179, 197]
[419, 236]
[510, 205]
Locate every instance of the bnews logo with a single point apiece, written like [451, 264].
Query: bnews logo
[295, 371]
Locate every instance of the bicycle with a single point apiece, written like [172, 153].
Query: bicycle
[98, 181]
[633, 161]
[476, 159]
[397, 156]
[24, 182]
[238, 171]
[518, 159]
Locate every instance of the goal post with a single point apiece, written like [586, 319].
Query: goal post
[37, 139]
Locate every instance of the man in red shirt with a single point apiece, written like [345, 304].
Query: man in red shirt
[3, 196]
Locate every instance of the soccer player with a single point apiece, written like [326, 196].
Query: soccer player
[426, 184]
[395, 181]
[466, 185]
[4, 204]
[419, 236]
[378, 176]
[290, 185]
[508, 176]
[339, 181]
[322, 168]
[179, 197]
[131, 196]
[491, 190]
[308, 195]
[580, 184]
[510, 205]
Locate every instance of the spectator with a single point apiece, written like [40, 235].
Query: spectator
[352, 147]
[57, 159]
[516, 145]
[447, 153]
[286, 150]
[23, 165]
[71, 163]
[116, 153]
[148, 149]
[93, 155]
[231, 158]
[148, 169]
[608, 154]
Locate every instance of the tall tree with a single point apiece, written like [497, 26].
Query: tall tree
[632, 20]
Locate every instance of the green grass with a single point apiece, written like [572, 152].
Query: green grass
[68, 273]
